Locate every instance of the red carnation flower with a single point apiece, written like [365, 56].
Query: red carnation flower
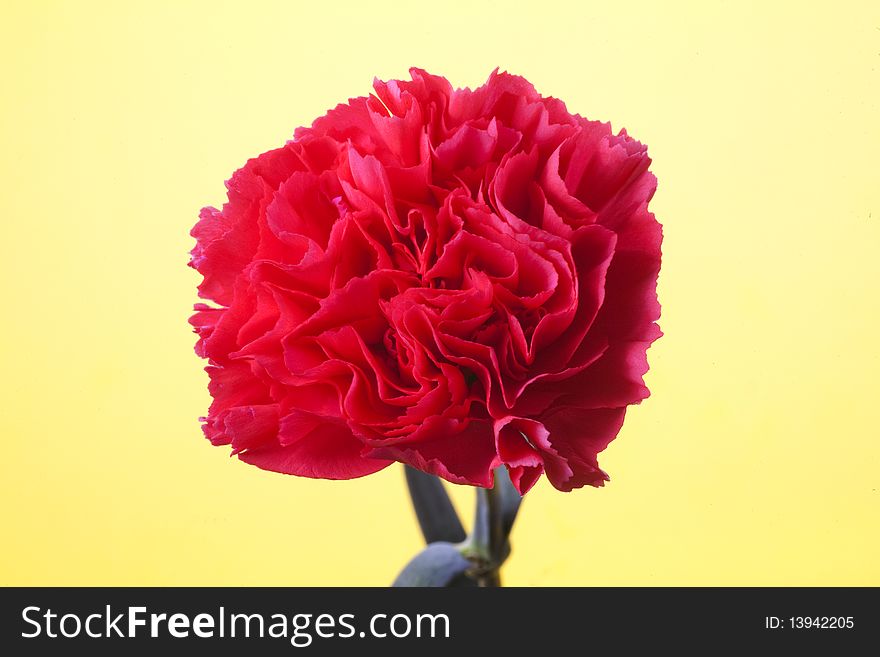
[452, 279]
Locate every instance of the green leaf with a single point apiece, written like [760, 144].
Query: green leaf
[510, 499]
[438, 565]
[434, 510]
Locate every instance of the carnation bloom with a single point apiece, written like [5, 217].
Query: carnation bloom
[452, 279]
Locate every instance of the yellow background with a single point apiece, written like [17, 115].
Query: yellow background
[755, 462]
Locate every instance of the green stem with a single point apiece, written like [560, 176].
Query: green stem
[487, 541]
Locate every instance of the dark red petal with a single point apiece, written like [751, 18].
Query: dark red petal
[578, 435]
[249, 427]
[465, 457]
[328, 451]
[524, 477]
